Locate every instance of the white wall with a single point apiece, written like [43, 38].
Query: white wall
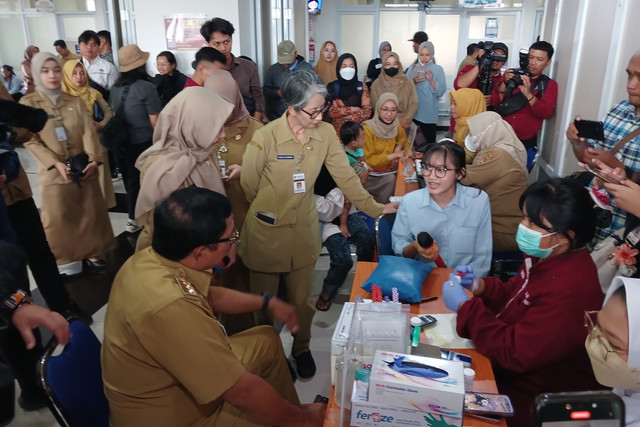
[149, 16]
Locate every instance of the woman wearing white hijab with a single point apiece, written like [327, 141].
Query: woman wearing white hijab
[182, 153]
[613, 344]
[496, 163]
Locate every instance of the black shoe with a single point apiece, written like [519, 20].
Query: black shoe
[292, 371]
[32, 401]
[305, 366]
[96, 265]
[76, 312]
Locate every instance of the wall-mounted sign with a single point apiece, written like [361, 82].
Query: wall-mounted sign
[491, 28]
[183, 31]
[479, 3]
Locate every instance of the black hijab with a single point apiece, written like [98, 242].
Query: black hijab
[348, 92]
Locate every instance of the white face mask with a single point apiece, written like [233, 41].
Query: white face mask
[347, 73]
[612, 372]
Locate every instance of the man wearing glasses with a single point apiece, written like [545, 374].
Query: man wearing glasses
[166, 359]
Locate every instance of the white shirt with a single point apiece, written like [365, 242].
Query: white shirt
[101, 71]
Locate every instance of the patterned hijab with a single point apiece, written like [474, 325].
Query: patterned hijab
[381, 129]
[326, 70]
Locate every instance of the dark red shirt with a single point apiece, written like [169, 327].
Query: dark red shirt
[190, 83]
[496, 80]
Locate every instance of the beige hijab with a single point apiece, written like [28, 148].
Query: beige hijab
[494, 132]
[184, 136]
[223, 83]
[326, 70]
[381, 129]
[400, 85]
[37, 62]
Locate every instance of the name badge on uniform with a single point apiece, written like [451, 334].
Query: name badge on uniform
[285, 157]
[223, 168]
[299, 185]
[61, 134]
[378, 66]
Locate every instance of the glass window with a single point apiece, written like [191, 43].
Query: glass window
[506, 27]
[398, 3]
[42, 31]
[443, 33]
[75, 5]
[73, 26]
[353, 27]
[357, 2]
[12, 42]
[9, 6]
[397, 28]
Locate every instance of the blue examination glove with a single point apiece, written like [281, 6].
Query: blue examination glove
[453, 293]
[467, 277]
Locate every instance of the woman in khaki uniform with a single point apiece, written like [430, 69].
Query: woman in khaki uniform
[182, 152]
[74, 216]
[239, 130]
[280, 236]
[76, 83]
[497, 164]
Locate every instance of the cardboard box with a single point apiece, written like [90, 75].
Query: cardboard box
[367, 414]
[416, 382]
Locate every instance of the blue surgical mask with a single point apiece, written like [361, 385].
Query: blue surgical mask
[528, 241]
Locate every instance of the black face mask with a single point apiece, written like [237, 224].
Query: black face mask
[391, 72]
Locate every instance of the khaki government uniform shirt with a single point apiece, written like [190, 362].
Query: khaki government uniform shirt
[270, 160]
[166, 360]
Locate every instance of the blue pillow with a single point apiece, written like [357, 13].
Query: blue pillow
[406, 274]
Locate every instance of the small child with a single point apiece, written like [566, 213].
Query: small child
[352, 137]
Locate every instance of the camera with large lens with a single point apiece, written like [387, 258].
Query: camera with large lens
[516, 80]
[485, 62]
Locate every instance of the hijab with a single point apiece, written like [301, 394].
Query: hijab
[88, 95]
[184, 136]
[382, 46]
[348, 92]
[326, 70]
[469, 102]
[223, 83]
[493, 132]
[381, 129]
[399, 85]
[37, 62]
[419, 66]
[632, 289]
[29, 52]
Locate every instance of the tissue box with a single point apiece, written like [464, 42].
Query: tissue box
[367, 414]
[416, 382]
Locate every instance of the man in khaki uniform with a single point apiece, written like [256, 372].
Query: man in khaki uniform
[166, 360]
[64, 54]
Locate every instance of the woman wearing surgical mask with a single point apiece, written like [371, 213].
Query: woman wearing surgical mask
[614, 347]
[430, 85]
[392, 79]
[349, 97]
[497, 164]
[531, 326]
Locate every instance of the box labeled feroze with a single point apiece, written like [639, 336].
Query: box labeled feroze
[416, 382]
[367, 414]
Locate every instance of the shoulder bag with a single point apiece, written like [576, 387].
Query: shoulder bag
[116, 133]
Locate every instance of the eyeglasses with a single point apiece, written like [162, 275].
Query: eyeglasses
[316, 113]
[591, 323]
[233, 239]
[388, 110]
[440, 171]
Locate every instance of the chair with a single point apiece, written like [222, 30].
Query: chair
[73, 380]
[384, 224]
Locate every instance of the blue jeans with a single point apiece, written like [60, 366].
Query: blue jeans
[340, 261]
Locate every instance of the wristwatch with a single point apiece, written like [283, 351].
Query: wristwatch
[19, 298]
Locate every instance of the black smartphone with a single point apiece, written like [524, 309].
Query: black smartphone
[590, 129]
[579, 409]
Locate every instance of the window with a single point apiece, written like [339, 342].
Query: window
[353, 27]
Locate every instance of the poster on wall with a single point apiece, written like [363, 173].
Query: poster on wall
[45, 6]
[491, 28]
[479, 3]
[182, 31]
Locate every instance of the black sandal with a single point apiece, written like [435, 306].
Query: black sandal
[325, 300]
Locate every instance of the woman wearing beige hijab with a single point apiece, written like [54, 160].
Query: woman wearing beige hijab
[183, 142]
[238, 131]
[182, 154]
[27, 84]
[74, 216]
[497, 164]
[325, 68]
[392, 79]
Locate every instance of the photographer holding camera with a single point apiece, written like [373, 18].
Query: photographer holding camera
[485, 74]
[527, 97]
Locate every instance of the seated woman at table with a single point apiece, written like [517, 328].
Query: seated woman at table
[385, 143]
[532, 326]
[612, 348]
[465, 103]
[497, 164]
[457, 217]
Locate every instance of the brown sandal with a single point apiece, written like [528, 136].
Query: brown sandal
[324, 302]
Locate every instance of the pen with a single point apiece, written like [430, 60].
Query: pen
[429, 299]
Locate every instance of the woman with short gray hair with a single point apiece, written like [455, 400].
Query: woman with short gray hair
[280, 235]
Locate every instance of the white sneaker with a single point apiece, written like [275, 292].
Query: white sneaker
[132, 227]
[71, 268]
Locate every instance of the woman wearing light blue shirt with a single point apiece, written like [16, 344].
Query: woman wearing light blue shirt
[11, 81]
[457, 217]
[430, 86]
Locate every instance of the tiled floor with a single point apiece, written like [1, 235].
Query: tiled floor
[322, 329]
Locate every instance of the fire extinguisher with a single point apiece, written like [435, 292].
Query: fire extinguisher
[312, 50]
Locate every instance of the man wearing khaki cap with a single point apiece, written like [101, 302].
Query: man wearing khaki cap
[288, 60]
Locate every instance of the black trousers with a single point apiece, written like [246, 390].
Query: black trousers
[131, 175]
[25, 221]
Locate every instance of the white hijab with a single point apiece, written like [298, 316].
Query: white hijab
[632, 288]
